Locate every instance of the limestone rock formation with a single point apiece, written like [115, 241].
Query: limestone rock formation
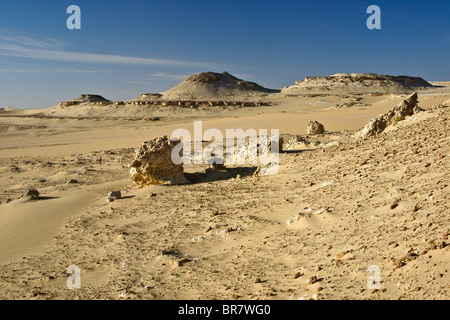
[251, 154]
[153, 163]
[315, 127]
[149, 96]
[93, 99]
[404, 109]
[358, 83]
[214, 86]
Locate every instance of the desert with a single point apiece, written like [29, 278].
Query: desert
[358, 207]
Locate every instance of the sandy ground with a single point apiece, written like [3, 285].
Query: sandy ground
[309, 232]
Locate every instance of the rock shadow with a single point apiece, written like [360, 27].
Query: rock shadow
[211, 175]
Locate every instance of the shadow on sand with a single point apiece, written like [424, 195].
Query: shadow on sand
[211, 175]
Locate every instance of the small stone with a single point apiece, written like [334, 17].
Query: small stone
[341, 254]
[72, 181]
[258, 280]
[217, 166]
[114, 195]
[33, 194]
[298, 275]
[312, 280]
[442, 245]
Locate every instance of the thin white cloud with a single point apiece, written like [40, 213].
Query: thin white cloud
[50, 49]
[243, 76]
[28, 71]
[11, 70]
[168, 76]
[27, 41]
[81, 71]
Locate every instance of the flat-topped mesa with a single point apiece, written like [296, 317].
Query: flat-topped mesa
[92, 97]
[86, 98]
[405, 80]
[359, 82]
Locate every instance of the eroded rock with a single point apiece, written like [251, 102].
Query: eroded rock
[400, 112]
[153, 163]
[315, 127]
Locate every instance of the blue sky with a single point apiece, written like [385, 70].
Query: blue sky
[126, 48]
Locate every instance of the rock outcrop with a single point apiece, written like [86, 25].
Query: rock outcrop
[225, 78]
[358, 83]
[153, 163]
[214, 86]
[404, 109]
[251, 154]
[315, 127]
[92, 99]
[193, 104]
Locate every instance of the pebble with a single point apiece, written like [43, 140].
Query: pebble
[341, 254]
[114, 195]
[312, 280]
[33, 194]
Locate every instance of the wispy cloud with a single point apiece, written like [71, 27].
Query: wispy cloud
[81, 71]
[168, 76]
[28, 71]
[30, 42]
[12, 70]
[243, 76]
[52, 49]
